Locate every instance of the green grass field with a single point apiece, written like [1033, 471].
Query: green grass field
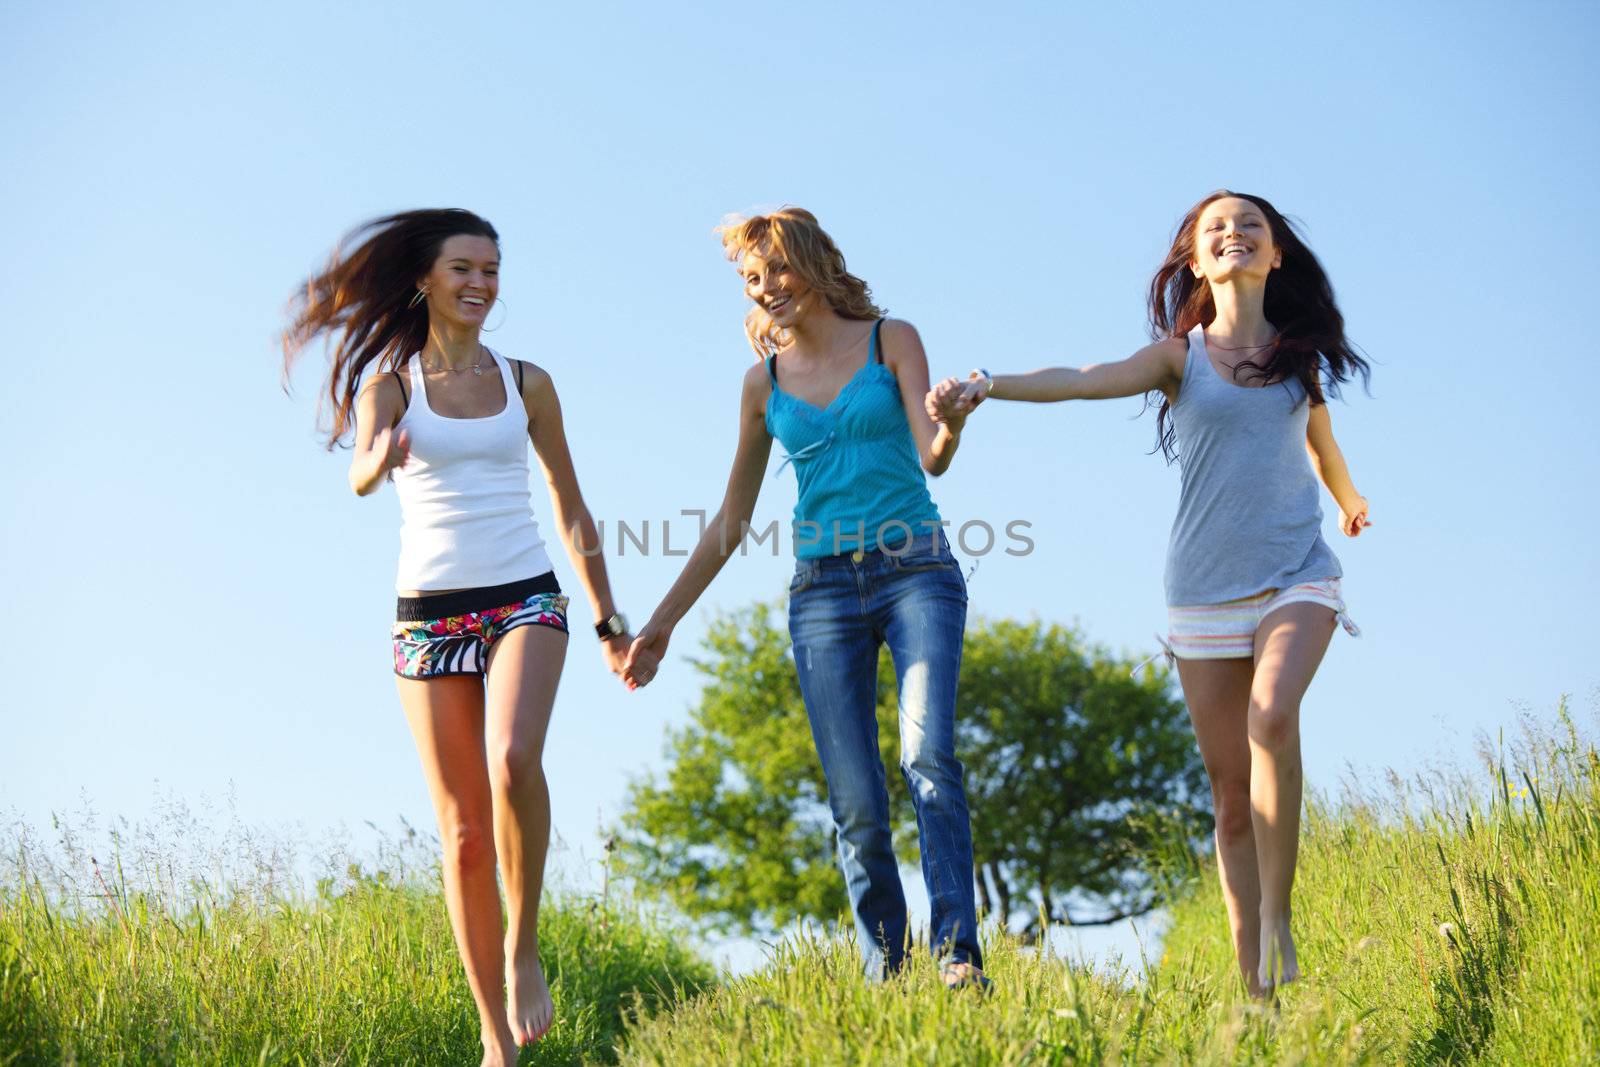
[1451, 919]
[237, 967]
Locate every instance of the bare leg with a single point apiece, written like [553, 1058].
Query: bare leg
[1290, 643]
[524, 669]
[446, 719]
[1218, 694]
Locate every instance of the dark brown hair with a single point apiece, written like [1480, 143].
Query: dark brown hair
[365, 296]
[1311, 346]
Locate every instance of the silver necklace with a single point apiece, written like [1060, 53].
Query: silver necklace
[476, 368]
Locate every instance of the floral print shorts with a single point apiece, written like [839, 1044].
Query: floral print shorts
[452, 633]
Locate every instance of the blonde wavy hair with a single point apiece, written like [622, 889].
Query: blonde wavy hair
[793, 234]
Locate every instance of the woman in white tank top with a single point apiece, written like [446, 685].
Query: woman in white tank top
[480, 631]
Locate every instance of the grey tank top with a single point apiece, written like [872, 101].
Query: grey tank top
[1249, 513]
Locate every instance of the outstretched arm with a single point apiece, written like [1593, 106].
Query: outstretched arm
[723, 533]
[1155, 367]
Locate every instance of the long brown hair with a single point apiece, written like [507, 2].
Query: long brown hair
[366, 296]
[795, 234]
[1311, 346]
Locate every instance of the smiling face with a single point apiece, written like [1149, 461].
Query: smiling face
[464, 281]
[1232, 241]
[775, 287]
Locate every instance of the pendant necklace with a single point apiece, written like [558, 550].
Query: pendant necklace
[477, 368]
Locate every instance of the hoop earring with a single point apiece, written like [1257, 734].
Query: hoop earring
[422, 294]
[492, 329]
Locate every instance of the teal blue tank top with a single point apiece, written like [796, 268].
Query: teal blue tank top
[861, 485]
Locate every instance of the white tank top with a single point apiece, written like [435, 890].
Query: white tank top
[465, 507]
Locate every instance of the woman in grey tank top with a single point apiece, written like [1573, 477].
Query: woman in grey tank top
[1249, 338]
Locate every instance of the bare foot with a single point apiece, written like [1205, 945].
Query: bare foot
[528, 1004]
[958, 974]
[1279, 966]
[500, 1051]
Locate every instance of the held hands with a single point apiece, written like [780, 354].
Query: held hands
[952, 400]
[632, 658]
[644, 657]
[1353, 516]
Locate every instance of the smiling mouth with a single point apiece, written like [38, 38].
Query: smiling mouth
[777, 305]
[474, 301]
[1233, 250]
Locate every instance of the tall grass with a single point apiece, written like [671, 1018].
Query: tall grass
[1452, 919]
[165, 951]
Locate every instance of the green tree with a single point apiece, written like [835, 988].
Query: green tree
[1077, 772]
[1072, 768]
[737, 832]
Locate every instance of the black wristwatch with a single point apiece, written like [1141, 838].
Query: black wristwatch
[613, 626]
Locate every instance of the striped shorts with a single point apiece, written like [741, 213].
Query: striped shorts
[1228, 630]
[453, 633]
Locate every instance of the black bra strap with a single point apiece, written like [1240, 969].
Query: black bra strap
[405, 398]
[772, 369]
[516, 365]
[877, 345]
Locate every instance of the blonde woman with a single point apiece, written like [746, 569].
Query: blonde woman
[842, 388]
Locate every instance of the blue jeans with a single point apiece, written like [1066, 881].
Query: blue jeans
[841, 608]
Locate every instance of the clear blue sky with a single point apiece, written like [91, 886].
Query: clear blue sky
[196, 598]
